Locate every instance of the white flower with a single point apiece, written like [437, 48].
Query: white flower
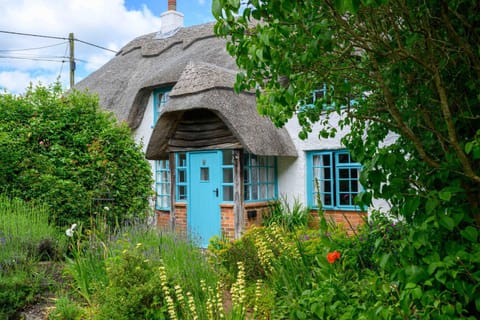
[106, 208]
[70, 231]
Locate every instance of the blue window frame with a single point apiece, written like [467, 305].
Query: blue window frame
[162, 185]
[181, 176]
[333, 178]
[227, 175]
[160, 98]
[324, 95]
[259, 178]
[162, 169]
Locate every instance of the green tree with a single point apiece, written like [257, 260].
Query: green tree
[412, 68]
[401, 67]
[60, 148]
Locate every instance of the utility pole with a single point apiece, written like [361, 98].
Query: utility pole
[72, 60]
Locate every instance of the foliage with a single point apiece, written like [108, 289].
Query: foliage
[26, 234]
[403, 77]
[58, 147]
[134, 289]
[26, 238]
[138, 272]
[288, 216]
[66, 309]
[225, 255]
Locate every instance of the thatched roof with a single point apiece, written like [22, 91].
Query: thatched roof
[203, 74]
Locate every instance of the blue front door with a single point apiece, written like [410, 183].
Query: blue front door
[203, 218]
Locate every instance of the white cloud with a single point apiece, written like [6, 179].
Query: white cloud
[18, 81]
[103, 22]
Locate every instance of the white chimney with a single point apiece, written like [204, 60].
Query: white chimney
[171, 20]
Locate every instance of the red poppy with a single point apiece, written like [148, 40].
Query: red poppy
[333, 256]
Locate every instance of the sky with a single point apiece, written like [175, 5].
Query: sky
[109, 24]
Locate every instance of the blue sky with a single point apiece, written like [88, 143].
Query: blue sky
[107, 23]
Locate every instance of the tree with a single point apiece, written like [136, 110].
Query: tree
[60, 148]
[402, 67]
[412, 69]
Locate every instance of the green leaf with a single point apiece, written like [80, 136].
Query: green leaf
[446, 222]
[384, 260]
[445, 195]
[216, 8]
[431, 204]
[300, 314]
[470, 233]
[468, 147]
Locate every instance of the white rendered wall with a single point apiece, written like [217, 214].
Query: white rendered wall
[143, 133]
[292, 172]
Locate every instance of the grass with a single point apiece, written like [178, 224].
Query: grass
[26, 238]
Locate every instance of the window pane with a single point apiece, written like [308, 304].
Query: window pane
[343, 158]
[182, 175]
[263, 191]
[327, 200]
[227, 193]
[204, 174]
[182, 159]
[263, 175]
[246, 176]
[327, 173]
[227, 157]
[354, 173]
[327, 186]
[271, 191]
[228, 175]
[246, 192]
[344, 173]
[344, 186]
[271, 175]
[182, 192]
[326, 160]
[345, 199]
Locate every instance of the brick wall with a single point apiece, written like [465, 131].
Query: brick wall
[227, 220]
[181, 218]
[163, 219]
[257, 208]
[350, 220]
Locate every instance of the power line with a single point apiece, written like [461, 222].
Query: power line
[95, 45]
[42, 58]
[58, 38]
[30, 49]
[33, 59]
[33, 35]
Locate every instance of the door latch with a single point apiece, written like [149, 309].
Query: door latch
[216, 192]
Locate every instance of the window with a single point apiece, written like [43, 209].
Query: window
[162, 185]
[227, 175]
[260, 181]
[162, 169]
[333, 178]
[322, 99]
[181, 185]
[160, 98]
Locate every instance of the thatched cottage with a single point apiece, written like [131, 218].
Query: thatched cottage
[216, 162]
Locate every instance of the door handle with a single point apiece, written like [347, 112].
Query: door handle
[216, 192]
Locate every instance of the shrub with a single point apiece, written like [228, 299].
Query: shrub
[289, 216]
[59, 147]
[66, 309]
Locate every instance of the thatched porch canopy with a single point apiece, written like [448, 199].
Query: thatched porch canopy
[207, 88]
